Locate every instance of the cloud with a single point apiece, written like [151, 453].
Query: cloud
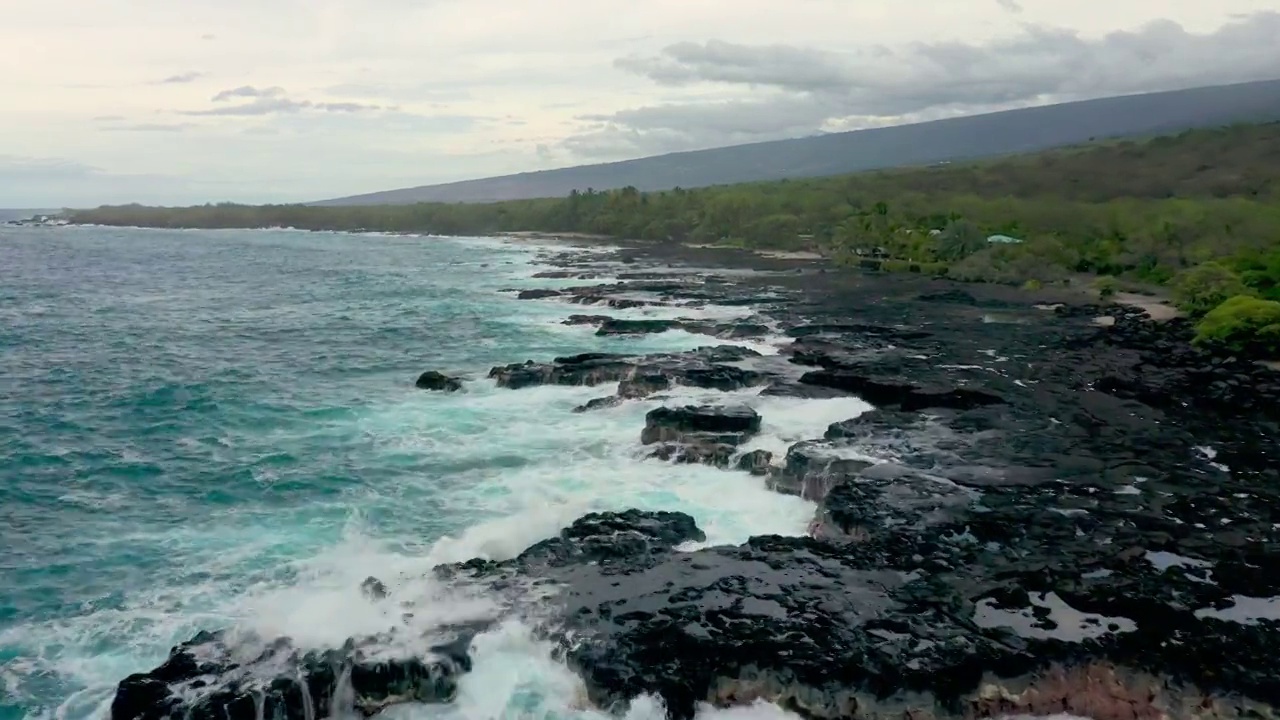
[340, 106]
[261, 106]
[1011, 6]
[149, 127]
[108, 118]
[249, 91]
[799, 90]
[273, 101]
[1038, 61]
[181, 78]
[370, 105]
[672, 127]
[273, 106]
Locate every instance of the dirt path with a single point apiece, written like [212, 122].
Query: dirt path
[1157, 308]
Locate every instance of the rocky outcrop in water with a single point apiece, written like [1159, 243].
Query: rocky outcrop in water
[811, 468]
[707, 434]
[432, 380]
[724, 423]
[586, 320]
[707, 367]
[211, 677]
[756, 462]
[538, 294]
[895, 623]
[613, 326]
[1041, 516]
[609, 543]
[728, 331]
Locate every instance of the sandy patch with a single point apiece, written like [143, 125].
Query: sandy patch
[784, 255]
[1155, 308]
[568, 238]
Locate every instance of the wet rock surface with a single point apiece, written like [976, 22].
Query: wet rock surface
[209, 678]
[612, 326]
[538, 294]
[1041, 514]
[728, 423]
[709, 367]
[706, 434]
[433, 380]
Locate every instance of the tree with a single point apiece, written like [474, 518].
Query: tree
[1242, 324]
[959, 240]
[1205, 286]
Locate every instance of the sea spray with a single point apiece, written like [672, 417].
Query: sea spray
[218, 429]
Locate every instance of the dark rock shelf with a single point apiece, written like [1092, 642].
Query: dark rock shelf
[1041, 515]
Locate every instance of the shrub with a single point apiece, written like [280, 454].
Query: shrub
[1106, 287]
[1005, 265]
[985, 266]
[960, 239]
[1206, 286]
[1261, 273]
[1243, 324]
[1032, 284]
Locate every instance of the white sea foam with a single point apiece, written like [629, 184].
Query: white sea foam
[493, 471]
[515, 677]
[570, 464]
[576, 464]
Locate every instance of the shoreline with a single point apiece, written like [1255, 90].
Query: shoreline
[1156, 306]
[1043, 510]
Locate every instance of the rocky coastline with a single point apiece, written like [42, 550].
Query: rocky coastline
[1042, 514]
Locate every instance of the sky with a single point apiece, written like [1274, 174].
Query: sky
[189, 101]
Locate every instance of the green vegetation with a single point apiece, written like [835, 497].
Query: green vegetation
[1199, 211]
[1243, 324]
[1106, 286]
[1202, 288]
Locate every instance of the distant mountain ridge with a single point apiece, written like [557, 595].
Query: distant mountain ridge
[964, 138]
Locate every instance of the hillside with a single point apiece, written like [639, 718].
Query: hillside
[979, 136]
[1146, 209]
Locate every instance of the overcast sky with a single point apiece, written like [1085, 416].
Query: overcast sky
[185, 101]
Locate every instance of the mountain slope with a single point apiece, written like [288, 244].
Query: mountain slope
[975, 136]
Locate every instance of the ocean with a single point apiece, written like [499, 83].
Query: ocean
[211, 429]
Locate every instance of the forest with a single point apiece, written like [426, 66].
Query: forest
[1198, 212]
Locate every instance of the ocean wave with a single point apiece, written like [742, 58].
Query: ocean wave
[234, 441]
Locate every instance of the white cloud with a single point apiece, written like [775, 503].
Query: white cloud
[180, 78]
[386, 93]
[271, 101]
[796, 88]
[248, 91]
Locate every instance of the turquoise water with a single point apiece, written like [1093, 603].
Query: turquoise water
[212, 429]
